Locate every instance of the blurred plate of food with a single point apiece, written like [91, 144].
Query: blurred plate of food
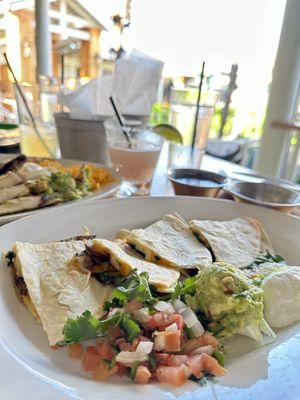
[31, 184]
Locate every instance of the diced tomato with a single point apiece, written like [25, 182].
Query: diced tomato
[126, 347]
[161, 321]
[176, 360]
[142, 375]
[210, 364]
[114, 333]
[196, 366]
[172, 341]
[135, 343]
[91, 349]
[208, 338]
[102, 371]
[91, 361]
[203, 340]
[133, 306]
[105, 351]
[162, 357]
[120, 341]
[122, 370]
[178, 320]
[76, 351]
[176, 376]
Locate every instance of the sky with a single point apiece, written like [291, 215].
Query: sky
[183, 33]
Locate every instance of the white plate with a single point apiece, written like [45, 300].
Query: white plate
[105, 191]
[28, 367]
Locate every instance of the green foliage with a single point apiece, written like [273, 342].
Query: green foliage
[136, 287]
[130, 327]
[87, 326]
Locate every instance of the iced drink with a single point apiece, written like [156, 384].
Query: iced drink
[136, 163]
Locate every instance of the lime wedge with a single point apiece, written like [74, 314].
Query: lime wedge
[169, 132]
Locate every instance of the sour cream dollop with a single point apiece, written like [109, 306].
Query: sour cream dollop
[282, 297]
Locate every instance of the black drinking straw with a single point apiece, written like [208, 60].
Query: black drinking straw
[120, 120]
[198, 105]
[19, 88]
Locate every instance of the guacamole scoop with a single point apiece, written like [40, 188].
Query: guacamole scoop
[65, 186]
[229, 300]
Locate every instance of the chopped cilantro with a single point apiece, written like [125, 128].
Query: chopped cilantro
[152, 362]
[188, 286]
[130, 327]
[87, 326]
[133, 370]
[111, 363]
[135, 287]
[219, 356]
[115, 303]
[264, 257]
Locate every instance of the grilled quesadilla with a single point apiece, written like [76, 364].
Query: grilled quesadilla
[13, 192]
[169, 242]
[116, 257]
[236, 242]
[53, 290]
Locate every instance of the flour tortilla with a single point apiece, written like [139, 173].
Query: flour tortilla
[125, 262]
[57, 291]
[236, 242]
[170, 242]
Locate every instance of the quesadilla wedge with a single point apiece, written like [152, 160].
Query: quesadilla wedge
[237, 242]
[171, 243]
[13, 192]
[118, 258]
[51, 289]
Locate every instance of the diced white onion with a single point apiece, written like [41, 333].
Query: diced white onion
[179, 305]
[130, 357]
[145, 347]
[164, 307]
[197, 329]
[189, 317]
[159, 341]
[172, 328]
[203, 349]
[142, 315]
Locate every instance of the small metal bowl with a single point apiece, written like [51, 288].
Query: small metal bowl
[264, 194]
[177, 175]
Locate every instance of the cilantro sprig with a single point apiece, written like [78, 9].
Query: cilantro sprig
[188, 286]
[264, 257]
[134, 287]
[87, 326]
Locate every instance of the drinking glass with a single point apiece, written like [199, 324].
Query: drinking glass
[42, 100]
[135, 161]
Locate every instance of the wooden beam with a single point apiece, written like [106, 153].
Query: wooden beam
[79, 22]
[27, 37]
[75, 33]
[94, 52]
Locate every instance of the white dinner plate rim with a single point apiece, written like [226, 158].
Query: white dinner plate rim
[67, 391]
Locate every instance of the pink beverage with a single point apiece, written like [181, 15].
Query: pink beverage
[137, 163]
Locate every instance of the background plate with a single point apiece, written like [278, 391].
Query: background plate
[105, 191]
[28, 365]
